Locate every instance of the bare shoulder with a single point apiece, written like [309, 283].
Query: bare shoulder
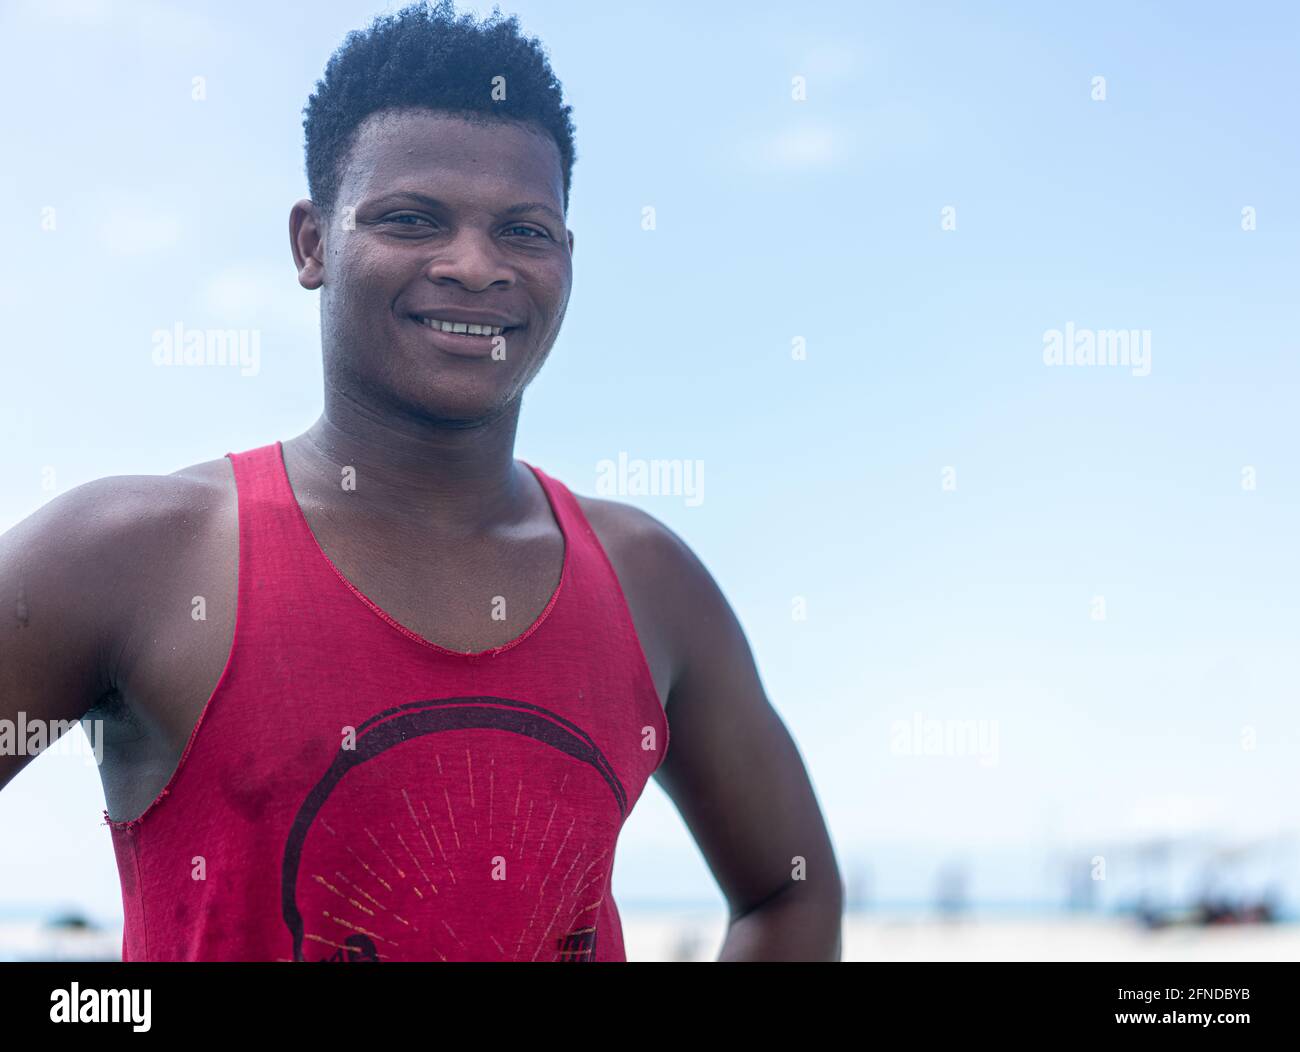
[118, 514]
[86, 578]
[636, 539]
[672, 596]
[622, 522]
[88, 557]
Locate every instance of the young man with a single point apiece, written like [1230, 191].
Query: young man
[381, 691]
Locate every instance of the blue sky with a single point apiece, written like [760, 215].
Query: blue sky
[824, 477]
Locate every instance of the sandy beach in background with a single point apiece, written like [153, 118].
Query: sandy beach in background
[693, 937]
[697, 936]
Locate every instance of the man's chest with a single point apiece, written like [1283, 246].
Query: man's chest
[469, 597]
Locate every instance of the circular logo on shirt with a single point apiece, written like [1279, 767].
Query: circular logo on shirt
[462, 829]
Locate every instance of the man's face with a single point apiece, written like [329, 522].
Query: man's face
[428, 225]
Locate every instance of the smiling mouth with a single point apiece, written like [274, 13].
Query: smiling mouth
[461, 328]
[467, 340]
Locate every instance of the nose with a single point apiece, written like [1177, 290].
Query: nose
[471, 259]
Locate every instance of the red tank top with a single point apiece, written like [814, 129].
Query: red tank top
[354, 792]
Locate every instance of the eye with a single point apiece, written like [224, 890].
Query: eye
[531, 230]
[404, 215]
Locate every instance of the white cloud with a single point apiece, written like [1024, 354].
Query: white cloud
[809, 146]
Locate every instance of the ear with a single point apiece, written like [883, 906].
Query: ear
[307, 240]
[570, 242]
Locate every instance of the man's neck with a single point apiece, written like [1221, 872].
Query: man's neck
[456, 481]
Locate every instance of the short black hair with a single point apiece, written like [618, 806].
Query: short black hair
[425, 56]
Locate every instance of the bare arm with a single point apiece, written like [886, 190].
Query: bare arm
[56, 602]
[80, 582]
[736, 776]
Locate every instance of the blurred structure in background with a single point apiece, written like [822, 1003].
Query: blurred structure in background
[62, 937]
[950, 890]
[857, 887]
[1237, 882]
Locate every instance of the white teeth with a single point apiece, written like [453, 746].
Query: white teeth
[462, 327]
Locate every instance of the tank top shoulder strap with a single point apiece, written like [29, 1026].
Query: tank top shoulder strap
[273, 532]
[593, 595]
[587, 553]
[592, 583]
[260, 477]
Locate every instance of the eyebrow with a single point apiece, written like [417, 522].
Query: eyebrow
[433, 202]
